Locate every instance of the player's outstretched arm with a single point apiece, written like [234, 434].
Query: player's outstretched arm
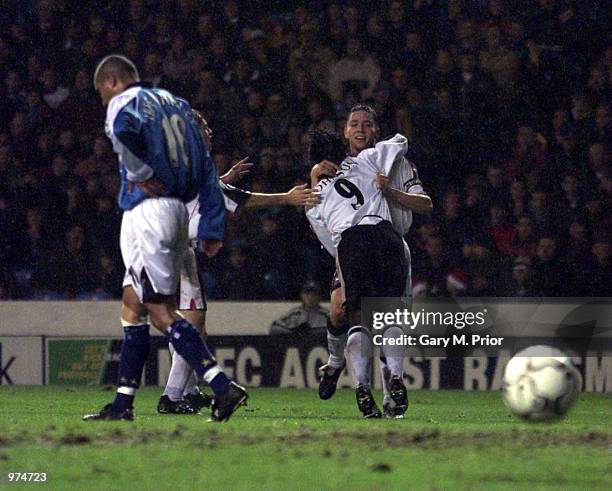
[298, 196]
[417, 202]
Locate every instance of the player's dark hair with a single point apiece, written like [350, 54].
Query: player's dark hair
[118, 66]
[367, 109]
[325, 145]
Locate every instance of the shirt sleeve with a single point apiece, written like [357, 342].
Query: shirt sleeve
[413, 184]
[235, 198]
[212, 205]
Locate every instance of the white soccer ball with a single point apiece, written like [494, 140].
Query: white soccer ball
[541, 383]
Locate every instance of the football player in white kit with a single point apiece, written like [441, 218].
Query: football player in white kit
[405, 194]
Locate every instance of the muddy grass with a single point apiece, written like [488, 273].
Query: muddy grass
[389, 438]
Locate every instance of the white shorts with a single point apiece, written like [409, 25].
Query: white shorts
[154, 241]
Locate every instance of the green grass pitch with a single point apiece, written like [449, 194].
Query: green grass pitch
[288, 439]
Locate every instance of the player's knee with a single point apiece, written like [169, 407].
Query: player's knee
[162, 320]
[163, 312]
[337, 314]
[131, 317]
[131, 301]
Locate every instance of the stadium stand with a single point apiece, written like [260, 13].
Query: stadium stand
[506, 105]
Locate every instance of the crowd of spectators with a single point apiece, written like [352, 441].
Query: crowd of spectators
[506, 104]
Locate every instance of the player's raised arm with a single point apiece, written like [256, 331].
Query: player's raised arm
[417, 202]
[237, 172]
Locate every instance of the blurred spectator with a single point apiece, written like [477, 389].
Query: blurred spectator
[501, 63]
[598, 161]
[312, 56]
[596, 278]
[53, 92]
[357, 70]
[481, 266]
[528, 154]
[274, 122]
[309, 317]
[566, 156]
[522, 283]
[270, 256]
[518, 198]
[496, 190]
[452, 221]
[578, 245]
[443, 73]
[540, 211]
[67, 270]
[500, 230]
[524, 242]
[551, 275]
[236, 278]
[433, 269]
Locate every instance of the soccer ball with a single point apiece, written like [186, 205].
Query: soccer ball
[541, 383]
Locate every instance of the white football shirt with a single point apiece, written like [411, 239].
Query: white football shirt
[351, 197]
[403, 176]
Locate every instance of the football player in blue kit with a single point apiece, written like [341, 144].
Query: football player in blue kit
[164, 163]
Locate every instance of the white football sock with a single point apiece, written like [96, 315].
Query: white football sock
[359, 350]
[179, 374]
[191, 387]
[394, 354]
[336, 346]
[385, 378]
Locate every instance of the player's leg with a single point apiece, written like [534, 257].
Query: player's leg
[134, 352]
[337, 328]
[188, 343]
[360, 349]
[389, 406]
[353, 266]
[154, 252]
[181, 394]
[163, 243]
[337, 334]
[172, 400]
[191, 391]
[192, 305]
[393, 281]
[136, 342]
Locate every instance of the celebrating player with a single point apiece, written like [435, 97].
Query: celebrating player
[361, 131]
[161, 153]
